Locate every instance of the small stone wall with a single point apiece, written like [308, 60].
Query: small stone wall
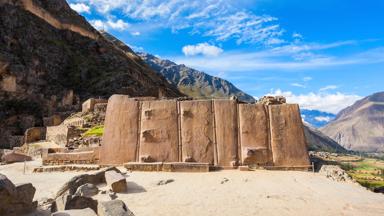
[63, 156]
[61, 134]
[52, 120]
[34, 134]
[89, 105]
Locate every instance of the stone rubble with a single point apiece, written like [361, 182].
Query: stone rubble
[16, 199]
[334, 173]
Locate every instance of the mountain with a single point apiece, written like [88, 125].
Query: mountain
[192, 82]
[51, 59]
[317, 118]
[317, 141]
[185, 77]
[360, 127]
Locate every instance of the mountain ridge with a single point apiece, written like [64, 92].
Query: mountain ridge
[193, 82]
[360, 127]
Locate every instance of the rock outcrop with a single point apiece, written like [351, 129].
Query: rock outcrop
[51, 59]
[16, 199]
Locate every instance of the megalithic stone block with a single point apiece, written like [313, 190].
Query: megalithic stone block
[121, 131]
[226, 132]
[287, 136]
[159, 131]
[197, 132]
[254, 134]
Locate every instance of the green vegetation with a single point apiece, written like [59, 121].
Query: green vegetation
[95, 131]
[367, 172]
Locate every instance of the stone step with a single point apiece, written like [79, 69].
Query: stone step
[168, 167]
[64, 168]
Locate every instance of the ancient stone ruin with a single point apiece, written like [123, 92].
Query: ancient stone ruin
[220, 133]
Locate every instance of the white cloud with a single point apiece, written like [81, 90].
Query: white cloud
[323, 118]
[136, 33]
[326, 102]
[298, 85]
[202, 49]
[271, 60]
[307, 78]
[221, 19]
[297, 35]
[80, 7]
[118, 25]
[328, 87]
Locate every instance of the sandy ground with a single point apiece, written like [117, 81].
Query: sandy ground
[244, 193]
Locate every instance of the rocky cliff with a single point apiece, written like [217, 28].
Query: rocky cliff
[51, 59]
[360, 127]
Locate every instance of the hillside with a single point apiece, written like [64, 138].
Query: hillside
[360, 127]
[192, 82]
[317, 141]
[189, 81]
[51, 59]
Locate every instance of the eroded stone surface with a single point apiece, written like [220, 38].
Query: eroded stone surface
[120, 133]
[116, 181]
[113, 208]
[197, 134]
[75, 212]
[13, 157]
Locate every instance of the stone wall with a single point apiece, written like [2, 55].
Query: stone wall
[34, 134]
[221, 133]
[60, 156]
[61, 134]
[89, 105]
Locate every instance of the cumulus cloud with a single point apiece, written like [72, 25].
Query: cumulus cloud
[202, 49]
[118, 25]
[326, 102]
[80, 7]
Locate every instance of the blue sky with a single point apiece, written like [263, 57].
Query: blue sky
[322, 54]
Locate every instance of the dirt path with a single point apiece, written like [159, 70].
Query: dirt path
[225, 193]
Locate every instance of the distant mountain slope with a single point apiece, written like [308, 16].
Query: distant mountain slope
[317, 141]
[317, 118]
[194, 83]
[360, 127]
[51, 59]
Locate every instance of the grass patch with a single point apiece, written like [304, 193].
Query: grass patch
[370, 184]
[95, 131]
